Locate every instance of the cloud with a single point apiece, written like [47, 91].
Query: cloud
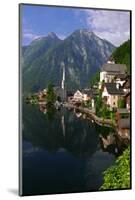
[113, 26]
[30, 36]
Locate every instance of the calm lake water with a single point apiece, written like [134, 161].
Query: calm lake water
[62, 153]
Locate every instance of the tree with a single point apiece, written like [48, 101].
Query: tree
[50, 96]
[118, 176]
[105, 111]
[121, 103]
[121, 55]
[95, 79]
[98, 103]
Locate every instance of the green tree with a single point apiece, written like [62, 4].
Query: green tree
[98, 103]
[95, 79]
[122, 55]
[118, 176]
[121, 103]
[105, 112]
[50, 96]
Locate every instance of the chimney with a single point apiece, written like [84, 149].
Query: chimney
[111, 60]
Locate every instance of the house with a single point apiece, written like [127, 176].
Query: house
[60, 93]
[124, 128]
[127, 98]
[120, 78]
[110, 70]
[126, 85]
[85, 95]
[111, 93]
[78, 96]
[41, 96]
[122, 113]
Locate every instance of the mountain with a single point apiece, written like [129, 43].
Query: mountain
[37, 48]
[122, 54]
[82, 53]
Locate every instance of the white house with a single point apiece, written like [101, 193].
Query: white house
[110, 70]
[78, 96]
[82, 96]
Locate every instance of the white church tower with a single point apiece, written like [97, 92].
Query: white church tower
[63, 82]
[63, 77]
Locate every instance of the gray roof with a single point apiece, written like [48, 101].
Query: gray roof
[124, 123]
[112, 89]
[115, 68]
[121, 76]
[87, 91]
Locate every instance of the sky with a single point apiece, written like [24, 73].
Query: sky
[38, 21]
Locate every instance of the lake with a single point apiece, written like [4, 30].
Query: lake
[63, 153]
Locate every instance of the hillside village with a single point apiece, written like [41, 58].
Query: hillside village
[114, 90]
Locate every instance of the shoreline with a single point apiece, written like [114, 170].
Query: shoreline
[98, 120]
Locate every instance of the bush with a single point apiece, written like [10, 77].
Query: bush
[118, 176]
[121, 103]
[50, 96]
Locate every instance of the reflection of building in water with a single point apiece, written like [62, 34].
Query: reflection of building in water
[106, 141]
[43, 108]
[113, 143]
[78, 114]
[109, 144]
[63, 125]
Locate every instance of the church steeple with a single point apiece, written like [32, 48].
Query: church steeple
[63, 82]
[63, 77]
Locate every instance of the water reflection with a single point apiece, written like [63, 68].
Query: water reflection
[49, 111]
[111, 142]
[62, 152]
[66, 131]
[63, 124]
[98, 163]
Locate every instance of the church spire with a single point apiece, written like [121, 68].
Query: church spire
[63, 77]
[63, 82]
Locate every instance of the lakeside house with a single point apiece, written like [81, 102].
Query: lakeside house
[110, 71]
[127, 99]
[41, 95]
[84, 95]
[122, 113]
[78, 96]
[124, 128]
[126, 85]
[111, 93]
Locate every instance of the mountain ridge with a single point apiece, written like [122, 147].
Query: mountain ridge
[82, 52]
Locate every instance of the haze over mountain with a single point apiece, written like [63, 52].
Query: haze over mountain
[82, 53]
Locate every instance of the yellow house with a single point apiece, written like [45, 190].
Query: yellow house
[112, 92]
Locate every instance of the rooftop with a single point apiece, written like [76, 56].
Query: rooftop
[88, 92]
[112, 89]
[115, 68]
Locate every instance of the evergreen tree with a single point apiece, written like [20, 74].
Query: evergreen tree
[51, 96]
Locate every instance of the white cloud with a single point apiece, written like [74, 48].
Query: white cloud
[113, 26]
[30, 36]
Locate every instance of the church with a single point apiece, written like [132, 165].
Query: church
[61, 90]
